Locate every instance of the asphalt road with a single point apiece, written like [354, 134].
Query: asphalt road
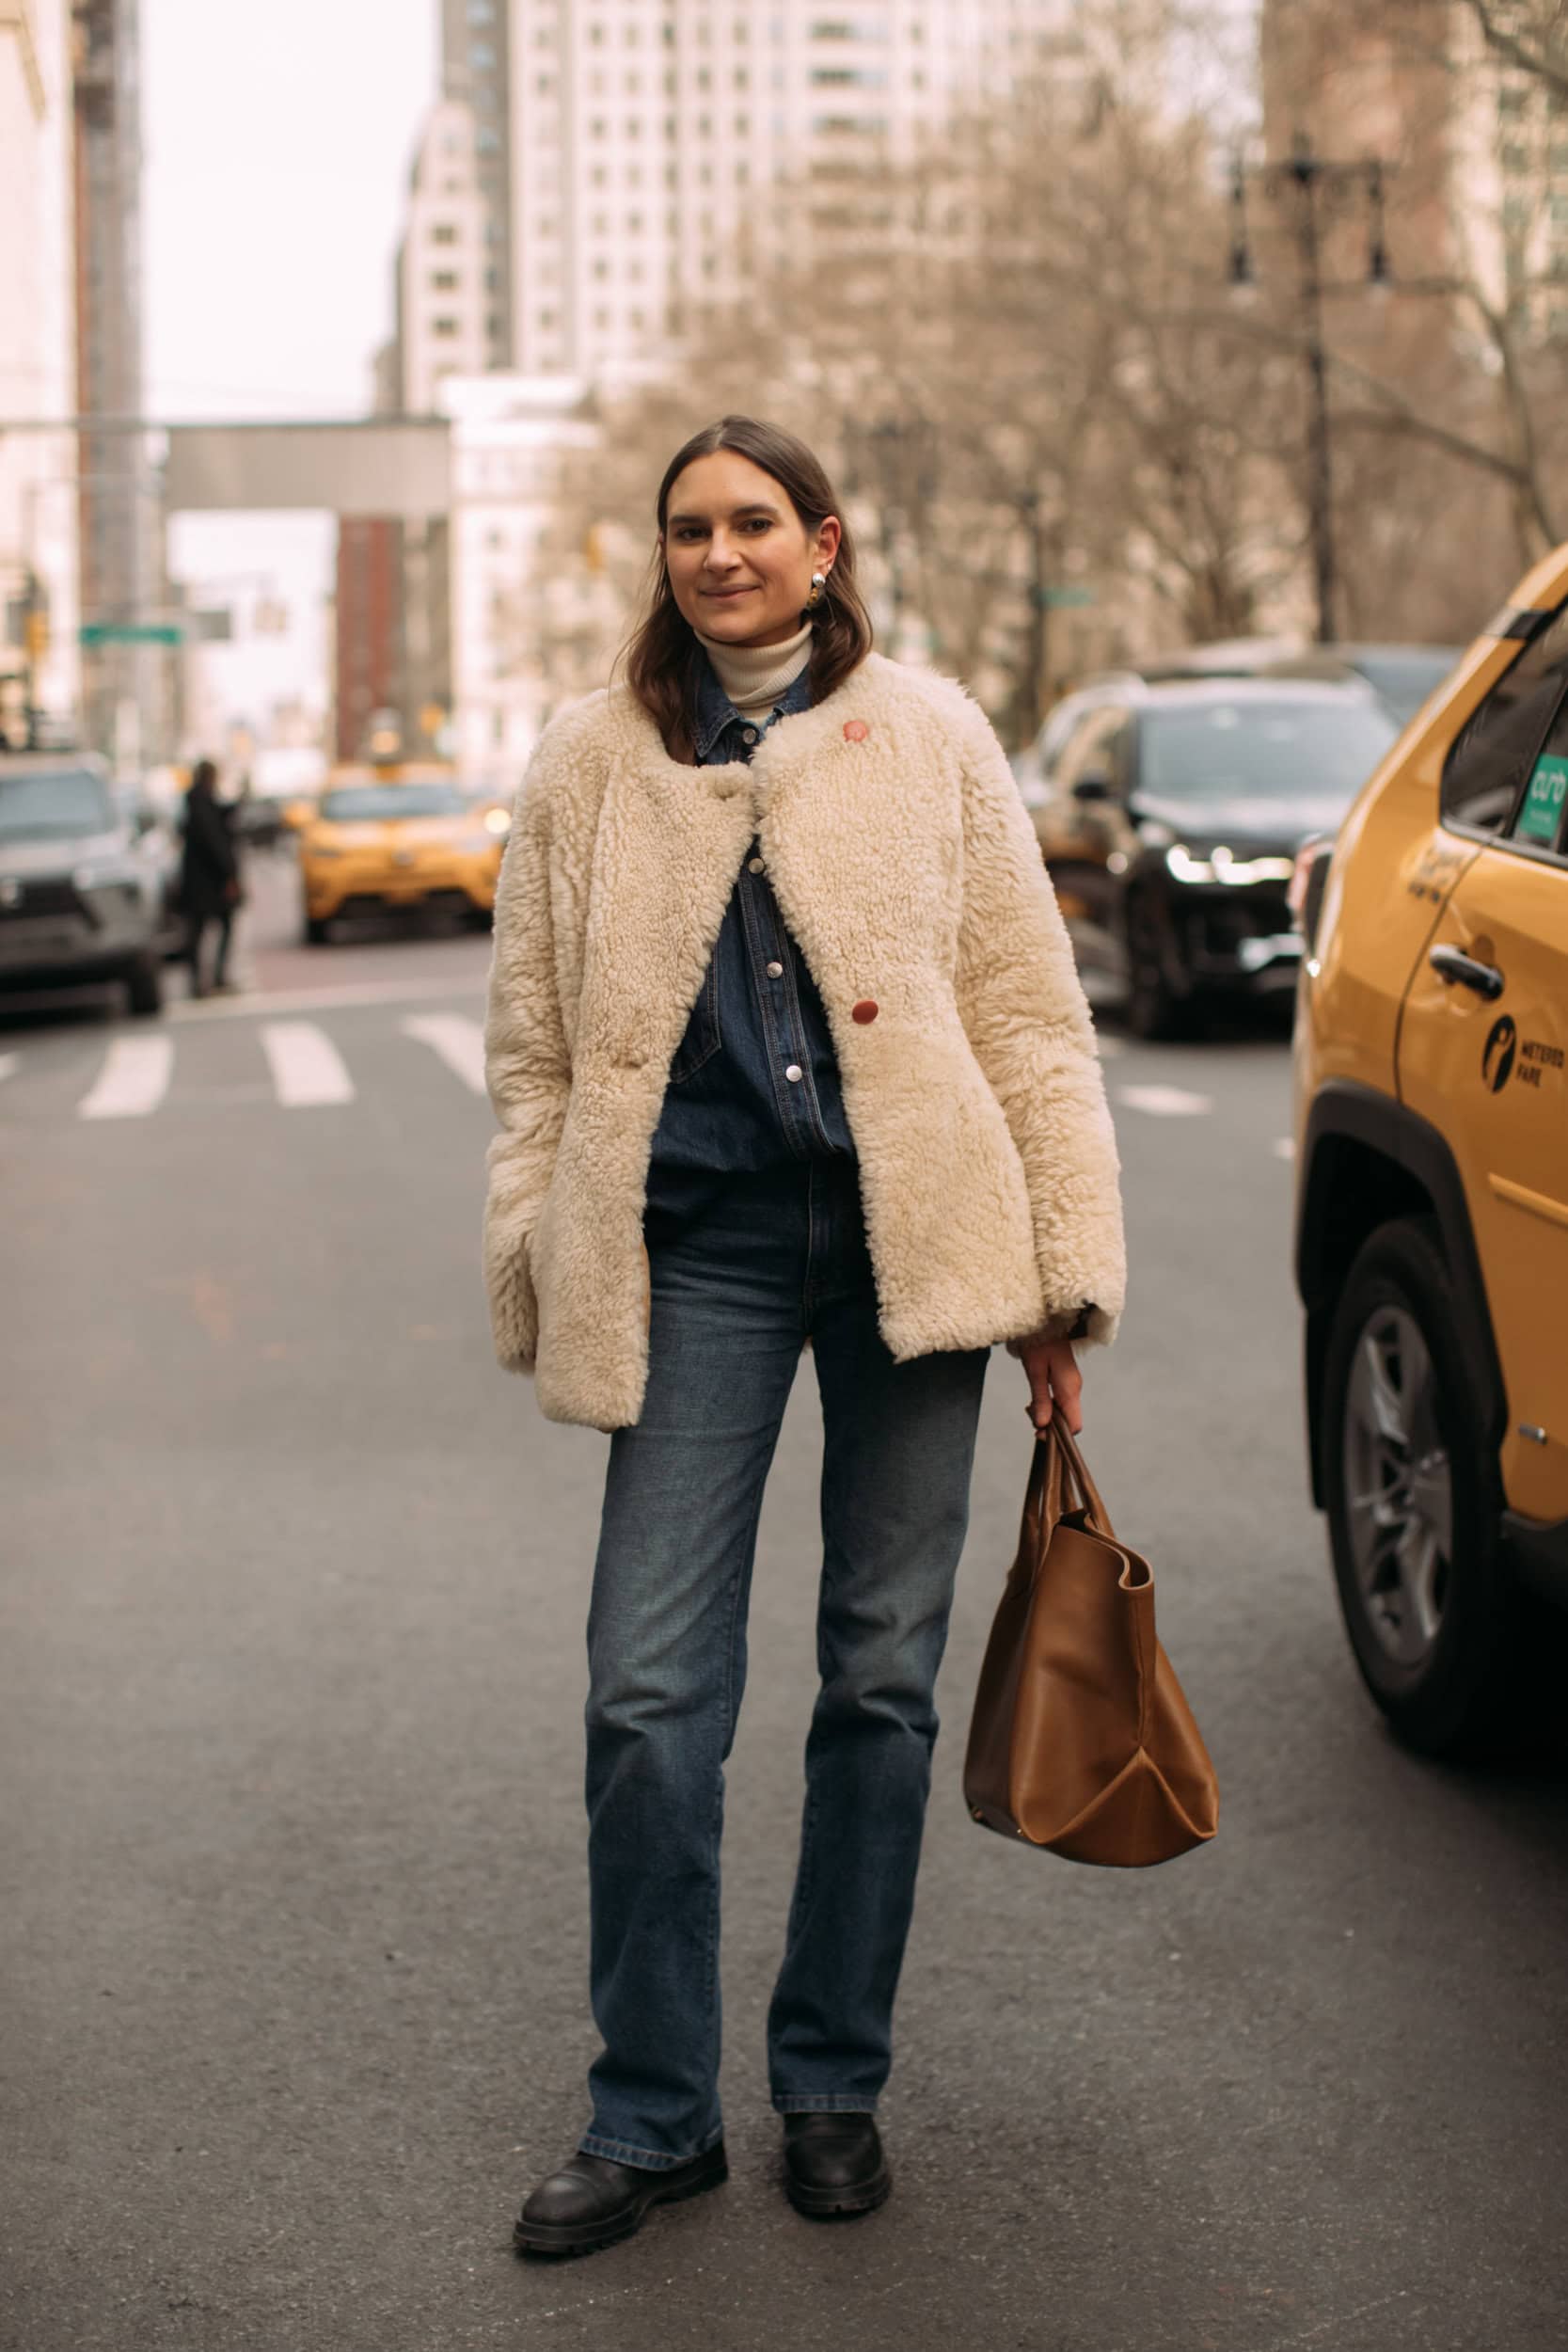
[292, 1915]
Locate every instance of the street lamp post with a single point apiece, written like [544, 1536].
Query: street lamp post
[1306, 180]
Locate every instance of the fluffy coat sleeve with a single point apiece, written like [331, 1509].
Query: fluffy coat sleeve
[1024, 1011]
[527, 1067]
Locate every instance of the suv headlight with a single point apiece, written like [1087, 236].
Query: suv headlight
[1221, 865]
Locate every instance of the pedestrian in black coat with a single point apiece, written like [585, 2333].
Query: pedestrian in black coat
[209, 876]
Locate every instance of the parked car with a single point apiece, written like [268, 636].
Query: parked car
[1403, 676]
[78, 904]
[1432, 1209]
[1170, 822]
[378, 845]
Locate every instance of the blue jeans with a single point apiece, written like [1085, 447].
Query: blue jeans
[739, 1282]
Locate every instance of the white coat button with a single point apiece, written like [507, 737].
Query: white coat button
[775, 971]
[755, 864]
[794, 1071]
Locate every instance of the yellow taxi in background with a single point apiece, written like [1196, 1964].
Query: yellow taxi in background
[1432, 1207]
[376, 842]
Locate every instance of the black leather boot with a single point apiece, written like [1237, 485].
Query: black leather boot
[592, 2202]
[834, 2165]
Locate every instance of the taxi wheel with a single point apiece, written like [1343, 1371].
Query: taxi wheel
[316, 931]
[1415, 1503]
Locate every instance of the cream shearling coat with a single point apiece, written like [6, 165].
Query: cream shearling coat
[906, 867]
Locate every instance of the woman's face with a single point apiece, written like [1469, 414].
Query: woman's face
[739, 556]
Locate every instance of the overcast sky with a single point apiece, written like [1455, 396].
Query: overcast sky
[277, 136]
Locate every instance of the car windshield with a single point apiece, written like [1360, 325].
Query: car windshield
[364, 803]
[1405, 679]
[1277, 751]
[54, 804]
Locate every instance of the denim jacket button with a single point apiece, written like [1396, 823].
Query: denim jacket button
[755, 865]
[775, 971]
[793, 1072]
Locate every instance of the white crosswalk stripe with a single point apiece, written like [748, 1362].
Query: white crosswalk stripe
[458, 1041]
[132, 1081]
[1164, 1102]
[308, 1070]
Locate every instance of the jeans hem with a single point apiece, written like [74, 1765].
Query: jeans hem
[643, 2159]
[851, 2103]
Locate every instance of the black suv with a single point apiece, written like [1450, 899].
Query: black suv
[1170, 821]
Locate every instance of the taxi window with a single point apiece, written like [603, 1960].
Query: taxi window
[1487, 780]
[1539, 819]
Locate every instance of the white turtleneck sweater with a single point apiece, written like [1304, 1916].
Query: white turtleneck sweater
[754, 676]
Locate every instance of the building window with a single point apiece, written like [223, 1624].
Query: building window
[543, 84]
[481, 11]
[489, 139]
[444, 280]
[443, 327]
[743, 126]
[545, 321]
[482, 57]
[443, 232]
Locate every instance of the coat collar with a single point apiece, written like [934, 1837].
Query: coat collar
[802, 739]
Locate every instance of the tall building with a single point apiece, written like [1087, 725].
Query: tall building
[368, 628]
[449, 281]
[38, 468]
[645, 132]
[125, 687]
[476, 69]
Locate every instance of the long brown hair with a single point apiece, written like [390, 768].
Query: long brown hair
[663, 658]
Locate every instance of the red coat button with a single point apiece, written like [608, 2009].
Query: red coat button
[855, 730]
[865, 1010]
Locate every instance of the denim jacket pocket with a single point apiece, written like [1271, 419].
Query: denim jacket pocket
[703, 1039]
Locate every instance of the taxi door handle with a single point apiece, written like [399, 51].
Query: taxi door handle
[1452, 963]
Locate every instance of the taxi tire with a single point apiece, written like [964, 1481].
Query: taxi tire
[1455, 1702]
[316, 931]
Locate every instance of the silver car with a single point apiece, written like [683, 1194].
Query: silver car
[79, 905]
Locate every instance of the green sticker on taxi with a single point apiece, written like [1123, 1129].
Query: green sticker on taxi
[1542, 814]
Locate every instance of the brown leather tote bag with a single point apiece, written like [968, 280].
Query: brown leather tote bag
[1081, 1741]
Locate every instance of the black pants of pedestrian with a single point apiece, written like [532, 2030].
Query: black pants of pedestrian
[195, 931]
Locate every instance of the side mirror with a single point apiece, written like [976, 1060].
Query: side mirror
[1094, 785]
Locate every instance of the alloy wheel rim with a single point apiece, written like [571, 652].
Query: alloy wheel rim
[1399, 1487]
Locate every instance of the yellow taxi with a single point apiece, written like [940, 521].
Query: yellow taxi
[380, 840]
[1432, 1206]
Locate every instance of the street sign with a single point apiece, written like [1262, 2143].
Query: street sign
[130, 633]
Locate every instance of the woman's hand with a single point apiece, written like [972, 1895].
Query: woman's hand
[1055, 1381]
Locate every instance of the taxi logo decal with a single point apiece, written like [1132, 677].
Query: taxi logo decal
[1496, 1061]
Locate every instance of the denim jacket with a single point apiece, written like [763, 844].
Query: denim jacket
[755, 1081]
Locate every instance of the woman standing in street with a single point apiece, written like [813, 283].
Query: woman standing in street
[788, 1048]
[209, 876]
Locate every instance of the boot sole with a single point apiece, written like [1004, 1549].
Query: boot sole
[561, 2238]
[840, 2204]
